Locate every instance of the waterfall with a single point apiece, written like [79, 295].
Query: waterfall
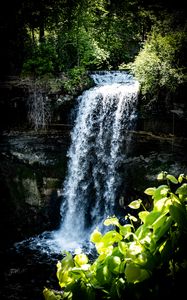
[99, 144]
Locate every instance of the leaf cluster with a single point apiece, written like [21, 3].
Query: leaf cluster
[129, 255]
[160, 63]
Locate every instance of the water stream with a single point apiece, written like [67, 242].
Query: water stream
[100, 142]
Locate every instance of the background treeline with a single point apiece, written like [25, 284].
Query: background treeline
[52, 37]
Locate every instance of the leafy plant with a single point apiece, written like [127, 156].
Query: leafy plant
[129, 255]
[159, 64]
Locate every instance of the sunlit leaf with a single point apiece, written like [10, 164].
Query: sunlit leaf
[123, 247]
[95, 236]
[162, 204]
[180, 178]
[142, 231]
[182, 191]
[114, 263]
[142, 215]
[161, 176]
[150, 191]
[50, 295]
[163, 229]
[125, 229]
[110, 238]
[151, 217]
[161, 192]
[159, 222]
[81, 259]
[133, 218]
[135, 204]
[172, 178]
[111, 221]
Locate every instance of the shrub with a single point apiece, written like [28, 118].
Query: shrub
[159, 64]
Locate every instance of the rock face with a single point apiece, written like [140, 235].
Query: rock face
[32, 170]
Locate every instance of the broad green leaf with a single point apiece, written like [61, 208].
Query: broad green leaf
[162, 204]
[50, 295]
[103, 274]
[114, 263]
[161, 191]
[111, 221]
[67, 261]
[182, 191]
[159, 222]
[81, 259]
[172, 178]
[150, 191]
[161, 175]
[111, 237]
[162, 230]
[95, 236]
[125, 229]
[151, 217]
[180, 178]
[134, 249]
[179, 215]
[142, 231]
[133, 218]
[123, 247]
[135, 204]
[135, 273]
[142, 215]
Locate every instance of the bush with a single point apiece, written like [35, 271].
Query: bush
[129, 256]
[159, 64]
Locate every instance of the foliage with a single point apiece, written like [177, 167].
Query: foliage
[159, 65]
[129, 255]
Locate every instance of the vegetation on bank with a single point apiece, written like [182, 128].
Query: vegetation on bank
[64, 40]
[143, 259]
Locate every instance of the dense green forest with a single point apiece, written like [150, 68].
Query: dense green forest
[66, 38]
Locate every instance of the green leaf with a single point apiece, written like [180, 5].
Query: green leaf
[95, 236]
[150, 191]
[179, 215]
[163, 229]
[172, 178]
[151, 217]
[125, 229]
[142, 215]
[159, 222]
[111, 237]
[135, 273]
[123, 247]
[81, 259]
[180, 178]
[114, 263]
[161, 175]
[135, 204]
[161, 191]
[50, 295]
[103, 274]
[111, 221]
[182, 191]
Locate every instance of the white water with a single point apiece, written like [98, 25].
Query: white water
[100, 142]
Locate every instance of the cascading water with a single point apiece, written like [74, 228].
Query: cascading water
[100, 142]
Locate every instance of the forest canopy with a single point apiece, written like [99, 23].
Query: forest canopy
[55, 36]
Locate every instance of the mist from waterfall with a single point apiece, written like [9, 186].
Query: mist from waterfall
[100, 142]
